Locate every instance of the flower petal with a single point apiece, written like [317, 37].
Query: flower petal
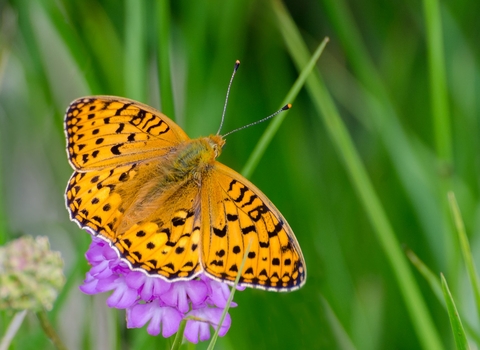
[153, 301]
[89, 286]
[154, 287]
[135, 279]
[164, 317]
[101, 270]
[123, 296]
[139, 314]
[199, 328]
[218, 292]
[170, 321]
[183, 292]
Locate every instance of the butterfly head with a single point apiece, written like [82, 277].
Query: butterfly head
[216, 142]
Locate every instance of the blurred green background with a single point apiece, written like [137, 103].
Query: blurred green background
[404, 77]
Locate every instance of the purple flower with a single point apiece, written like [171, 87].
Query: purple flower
[152, 300]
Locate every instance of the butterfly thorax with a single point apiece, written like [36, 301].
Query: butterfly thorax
[193, 157]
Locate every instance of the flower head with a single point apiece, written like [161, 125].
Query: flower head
[30, 274]
[152, 300]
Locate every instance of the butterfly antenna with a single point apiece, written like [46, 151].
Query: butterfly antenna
[237, 64]
[284, 108]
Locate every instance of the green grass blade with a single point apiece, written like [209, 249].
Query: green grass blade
[177, 342]
[466, 251]
[3, 216]
[3, 213]
[349, 35]
[343, 339]
[230, 298]
[415, 175]
[72, 42]
[4, 54]
[436, 286]
[438, 81]
[135, 50]
[163, 57]
[455, 321]
[12, 329]
[430, 277]
[274, 125]
[416, 306]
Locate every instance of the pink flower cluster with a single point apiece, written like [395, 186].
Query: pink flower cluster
[152, 300]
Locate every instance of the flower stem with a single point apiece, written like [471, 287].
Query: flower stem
[179, 337]
[12, 329]
[49, 330]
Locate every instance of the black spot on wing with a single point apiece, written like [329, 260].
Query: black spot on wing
[121, 126]
[232, 217]
[220, 232]
[276, 230]
[123, 108]
[248, 229]
[252, 198]
[170, 266]
[116, 149]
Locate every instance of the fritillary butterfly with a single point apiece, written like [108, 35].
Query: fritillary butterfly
[163, 202]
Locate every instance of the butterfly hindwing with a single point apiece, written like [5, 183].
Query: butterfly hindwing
[165, 240]
[242, 213]
[153, 228]
[105, 131]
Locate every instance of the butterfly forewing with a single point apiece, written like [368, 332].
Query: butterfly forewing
[237, 213]
[105, 131]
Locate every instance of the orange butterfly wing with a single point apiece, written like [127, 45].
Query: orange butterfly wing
[117, 146]
[154, 229]
[234, 211]
[105, 131]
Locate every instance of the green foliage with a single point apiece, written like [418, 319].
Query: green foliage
[361, 165]
[457, 327]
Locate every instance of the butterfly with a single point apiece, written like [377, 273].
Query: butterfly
[164, 203]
